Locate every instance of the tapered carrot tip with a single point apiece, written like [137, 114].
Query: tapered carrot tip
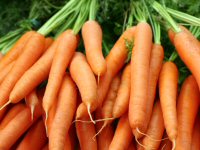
[46, 118]
[6, 104]
[98, 78]
[32, 111]
[90, 115]
[174, 144]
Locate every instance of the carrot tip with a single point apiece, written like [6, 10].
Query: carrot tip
[32, 111]
[6, 104]
[90, 115]
[98, 78]
[174, 144]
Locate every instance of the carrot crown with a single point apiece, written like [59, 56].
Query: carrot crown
[93, 10]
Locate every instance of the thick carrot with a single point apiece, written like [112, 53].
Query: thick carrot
[85, 133]
[63, 54]
[155, 129]
[187, 109]
[168, 83]
[115, 61]
[157, 55]
[35, 138]
[32, 51]
[11, 114]
[140, 62]
[48, 42]
[92, 38]
[85, 80]
[64, 114]
[123, 135]
[16, 50]
[4, 72]
[123, 95]
[196, 134]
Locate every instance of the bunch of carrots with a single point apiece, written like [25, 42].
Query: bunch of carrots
[54, 97]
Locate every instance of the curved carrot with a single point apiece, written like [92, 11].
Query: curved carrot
[168, 84]
[92, 38]
[35, 138]
[115, 61]
[123, 135]
[140, 62]
[196, 134]
[85, 133]
[16, 50]
[4, 72]
[64, 114]
[123, 95]
[32, 51]
[48, 42]
[63, 54]
[84, 78]
[187, 109]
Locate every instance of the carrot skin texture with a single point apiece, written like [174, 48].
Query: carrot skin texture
[32, 51]
[187, 109]
[123, 94]
[140, 62]
[92, 38]
[63, 54]
[196, 134]
[85, 133]
[35, 137]
[157, 55]
[16, 50]
[66, 108]
[124, 132]
[168, 85]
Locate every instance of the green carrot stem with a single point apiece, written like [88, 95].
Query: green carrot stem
[93, 10]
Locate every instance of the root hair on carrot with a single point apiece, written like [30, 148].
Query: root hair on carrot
[6, 104]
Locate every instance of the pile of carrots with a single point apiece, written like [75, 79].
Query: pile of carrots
[54, 97]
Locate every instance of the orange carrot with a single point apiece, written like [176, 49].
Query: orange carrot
[155, 129]
[85, 80]
[63, 54]
[115, 61]
[64, 114]
[187, 109]
[168, 82]
[123, 135]
[85, 133]
[32, 51]
[92, 38]
[35, 138]
[48, 42]
[140, 62]
[4, 72]
[123, 95]
[16, 50]
[196, 134]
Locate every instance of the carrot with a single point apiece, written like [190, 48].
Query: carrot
[123, 94]
[48, 42]
[32, 51]
[123, 135]
[140, 62]
[16, 50]
[11, 114]
[85, 80]
[196, 134]
[4, 72]
[168, 82]
[92, 38]
[35, 138]
[34, 75]
[187, 109]
[32, 101]
[85, 133]
[115, 61]
[155, 129]
[64, 114]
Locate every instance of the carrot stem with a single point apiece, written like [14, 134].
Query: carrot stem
[93, 10]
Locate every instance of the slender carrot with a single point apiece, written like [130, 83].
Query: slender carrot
[32, 51]
[140, 62]
[155, 129]
[85, 80]
[16, 50]
[168, 82]
[123, 135]
[4, 72]
[92, 37]
[118, 54]
[196, 134]
[63, 54]
[187, 109]
[123, 95]
[35, 138]
[85, 133]
[64, 114]
[48, 42]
